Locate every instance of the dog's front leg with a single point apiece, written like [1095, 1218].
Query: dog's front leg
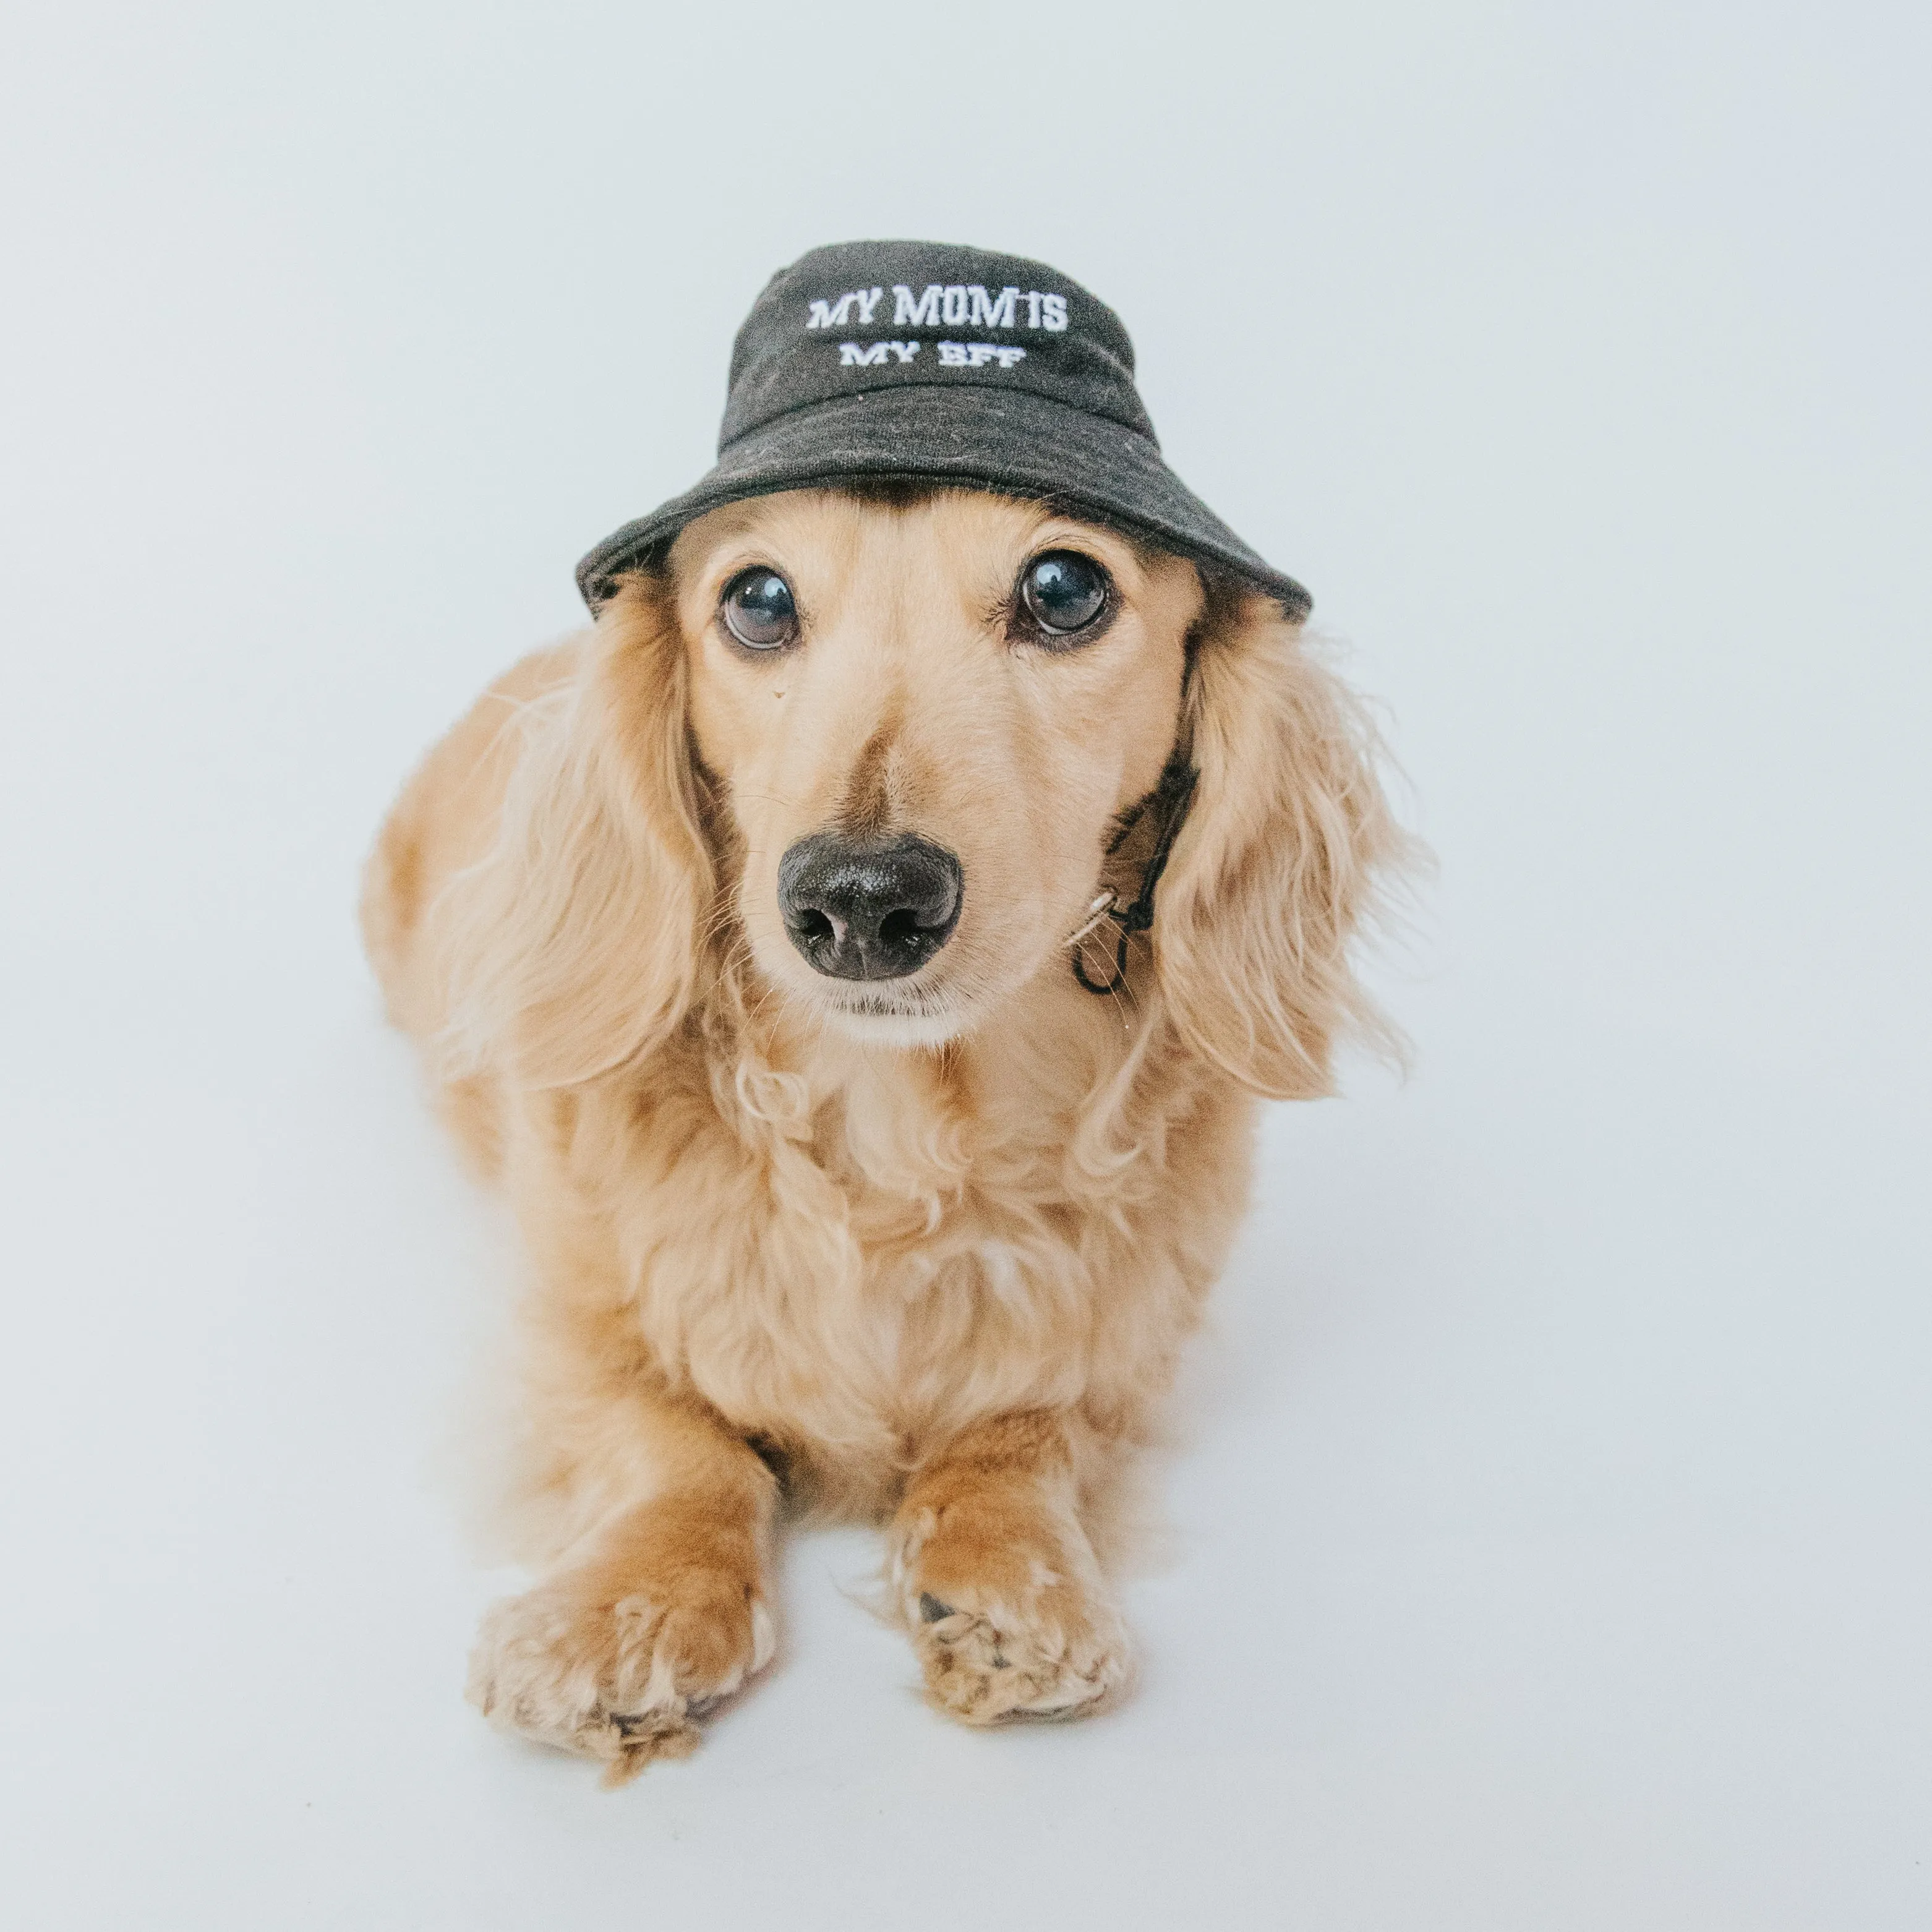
[658, 1609]
[996, 1579]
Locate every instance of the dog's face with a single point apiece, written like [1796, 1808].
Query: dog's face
[924, 714]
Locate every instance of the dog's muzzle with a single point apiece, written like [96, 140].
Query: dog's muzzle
[869, 908]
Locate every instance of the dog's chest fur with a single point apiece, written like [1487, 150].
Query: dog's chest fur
[855, 1255]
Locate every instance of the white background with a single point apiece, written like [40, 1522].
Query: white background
[1548, 1519]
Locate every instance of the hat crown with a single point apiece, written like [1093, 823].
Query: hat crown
[958, 367]
[860, 317]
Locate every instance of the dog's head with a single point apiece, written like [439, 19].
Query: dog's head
[874, 748]
[923, 717]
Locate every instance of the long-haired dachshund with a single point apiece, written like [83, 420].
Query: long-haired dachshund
[857, 956]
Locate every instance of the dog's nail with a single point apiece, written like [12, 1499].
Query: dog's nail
[931, 1609]
[631, 1726]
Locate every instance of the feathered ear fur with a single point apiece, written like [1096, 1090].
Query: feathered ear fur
[571, 947]
[1281, 857]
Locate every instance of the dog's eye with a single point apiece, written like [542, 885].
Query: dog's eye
[758, 610]
[1063, 591]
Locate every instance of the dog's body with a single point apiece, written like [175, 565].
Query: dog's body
[922, 1249]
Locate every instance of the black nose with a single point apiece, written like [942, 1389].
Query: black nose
[869, 908]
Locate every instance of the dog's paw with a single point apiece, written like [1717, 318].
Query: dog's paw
[1018, 1627]
[620, 1678]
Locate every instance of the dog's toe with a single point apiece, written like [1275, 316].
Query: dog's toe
[999, 1662]
[1021, 1626]
[620, 1681]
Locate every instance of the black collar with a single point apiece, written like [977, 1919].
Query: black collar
[1169, 801]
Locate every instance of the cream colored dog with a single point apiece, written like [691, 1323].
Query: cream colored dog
[916, 1234]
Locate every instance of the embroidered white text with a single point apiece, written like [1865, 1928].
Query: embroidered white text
[977, 355]
[837, 314]
[858, 355]
[936, 305]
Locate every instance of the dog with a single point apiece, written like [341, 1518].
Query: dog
[858, 956]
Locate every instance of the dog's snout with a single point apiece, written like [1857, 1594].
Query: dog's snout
[869, 909]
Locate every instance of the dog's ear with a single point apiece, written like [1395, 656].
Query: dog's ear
[572, 947]
[1280, 859]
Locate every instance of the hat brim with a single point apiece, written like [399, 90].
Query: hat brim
[1020, 443]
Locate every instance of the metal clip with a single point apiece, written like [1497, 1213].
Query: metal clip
[1101, 909]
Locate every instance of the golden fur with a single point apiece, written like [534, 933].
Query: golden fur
[927, 1255]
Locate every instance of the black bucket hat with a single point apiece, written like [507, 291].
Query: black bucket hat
[914, 359]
